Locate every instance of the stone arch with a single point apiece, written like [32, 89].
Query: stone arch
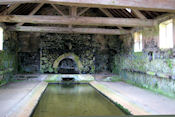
[70, 56]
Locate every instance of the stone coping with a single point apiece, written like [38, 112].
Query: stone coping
[27, 105]
[156, 74]
[118, 98]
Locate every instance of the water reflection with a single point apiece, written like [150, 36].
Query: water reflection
[74, 100]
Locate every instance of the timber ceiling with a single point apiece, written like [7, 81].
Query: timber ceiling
[25, 9]
[41, 9]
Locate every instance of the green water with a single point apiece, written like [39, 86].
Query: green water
[74, 100]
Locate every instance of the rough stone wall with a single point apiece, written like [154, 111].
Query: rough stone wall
[94, 51]
[153, 68]
[28, 52]
[55, 45]
[8, 57]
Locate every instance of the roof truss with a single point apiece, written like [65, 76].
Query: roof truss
[75, 20]
[154, 5]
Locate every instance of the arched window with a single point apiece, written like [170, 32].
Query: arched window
[1, 38]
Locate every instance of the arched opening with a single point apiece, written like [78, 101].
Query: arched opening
[68, 63]
[67, 66]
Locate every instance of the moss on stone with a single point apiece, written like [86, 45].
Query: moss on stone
[151, 73]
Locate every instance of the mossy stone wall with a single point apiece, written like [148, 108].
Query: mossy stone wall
[8, 56]
[152, 68]
[94, 52]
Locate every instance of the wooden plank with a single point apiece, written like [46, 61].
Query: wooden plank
[164, 17]
[10, 9]
[69, 20]
[138, 14]
[33, 12]
[59, 11]
[153, 5]
[107, 13]
[72, 12]
[83, 11]
[68, 30]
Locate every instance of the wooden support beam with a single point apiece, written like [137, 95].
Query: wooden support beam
[67, 30]
[59, 11]
[107, 13]
[69, 20]
[33, 12]
[10, 9]
[138, 14]
[164, 17]
[83, 11]
[153, 5]
[72, 12]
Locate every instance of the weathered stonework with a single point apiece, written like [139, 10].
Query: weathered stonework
[152, 68]
[93, 52]
[67, 55]
[8, 57]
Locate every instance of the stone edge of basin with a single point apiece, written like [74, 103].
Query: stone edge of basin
[115, 97]
[27, 105]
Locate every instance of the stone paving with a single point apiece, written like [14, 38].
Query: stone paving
[150, 102]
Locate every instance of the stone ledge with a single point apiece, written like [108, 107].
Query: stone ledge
[156, 74]
[120, 99]
[27, 105]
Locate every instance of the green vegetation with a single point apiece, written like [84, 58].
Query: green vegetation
[154, 88]
[126, 111]
[169, 63]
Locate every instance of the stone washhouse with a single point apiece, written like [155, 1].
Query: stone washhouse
[124, 49]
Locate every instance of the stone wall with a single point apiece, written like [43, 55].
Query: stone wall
[43, 49]
[28, 52]
[8, 57]
[153, 68]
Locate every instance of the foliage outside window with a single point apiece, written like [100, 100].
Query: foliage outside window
[138, 42]
[166, 34]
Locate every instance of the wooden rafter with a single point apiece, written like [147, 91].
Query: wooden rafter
[107, 13]
[83, 11]
[68, 30]
[153, 5]
[164, 17]
[10, 9]
[59, 11]
[33, 12]
[70, 20]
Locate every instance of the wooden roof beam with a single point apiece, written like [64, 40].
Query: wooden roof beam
[83, 11]
[10, 9]
[59, 11]
[107, 13]
[33, 12]
[72, 12]
[68, 30]
[138, 14]
[70, 20]
[151, 5]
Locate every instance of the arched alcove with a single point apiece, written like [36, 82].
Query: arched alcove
[70, 56]
[68, 66]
